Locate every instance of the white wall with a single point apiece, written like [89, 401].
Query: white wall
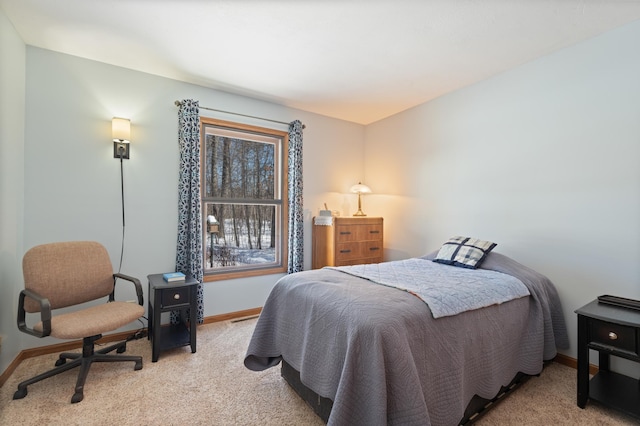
[12, 105]
[543, 159]
[72, 181]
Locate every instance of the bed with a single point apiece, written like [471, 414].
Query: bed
[374, 354]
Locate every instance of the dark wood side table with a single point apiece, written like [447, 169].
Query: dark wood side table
[610, 330]
[165, 297]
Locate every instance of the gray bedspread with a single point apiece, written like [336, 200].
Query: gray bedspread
[382, 358]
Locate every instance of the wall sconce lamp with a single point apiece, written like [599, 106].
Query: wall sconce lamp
[360, 189]
[121, 132]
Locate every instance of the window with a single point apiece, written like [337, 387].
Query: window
[244, 199]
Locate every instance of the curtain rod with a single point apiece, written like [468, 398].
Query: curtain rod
[178, 103]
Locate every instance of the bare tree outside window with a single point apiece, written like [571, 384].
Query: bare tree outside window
[244, 198]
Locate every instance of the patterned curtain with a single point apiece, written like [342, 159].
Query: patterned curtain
[189, 250]
[296, 243]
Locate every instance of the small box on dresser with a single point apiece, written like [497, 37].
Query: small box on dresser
[347, 241]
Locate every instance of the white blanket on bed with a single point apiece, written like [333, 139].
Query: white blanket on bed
[447, 290]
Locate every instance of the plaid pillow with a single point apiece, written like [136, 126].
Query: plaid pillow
[464, 252]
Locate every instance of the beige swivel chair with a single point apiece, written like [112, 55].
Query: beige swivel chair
[61, 275]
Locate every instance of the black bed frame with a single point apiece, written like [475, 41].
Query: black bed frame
[322, 406]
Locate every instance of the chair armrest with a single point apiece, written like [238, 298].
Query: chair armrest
[45, 314]
[136, 283]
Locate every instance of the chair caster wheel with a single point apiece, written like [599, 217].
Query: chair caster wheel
[77, 397]
[20, 393]
[138, 366]
[121, 349]
[61, 361]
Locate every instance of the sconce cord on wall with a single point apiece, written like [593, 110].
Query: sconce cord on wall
[121, 136]
[122, 198]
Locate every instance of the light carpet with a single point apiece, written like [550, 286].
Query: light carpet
[212, 387]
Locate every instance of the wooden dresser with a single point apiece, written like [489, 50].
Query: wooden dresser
[349, 241]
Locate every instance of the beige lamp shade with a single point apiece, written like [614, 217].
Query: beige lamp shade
[121, 130]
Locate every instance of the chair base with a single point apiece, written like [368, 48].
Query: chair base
[83, 360]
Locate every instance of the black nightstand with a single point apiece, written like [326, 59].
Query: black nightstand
[610, 330]
[165, 297]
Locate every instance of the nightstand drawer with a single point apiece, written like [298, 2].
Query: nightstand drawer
[175, 297]
[614, 335]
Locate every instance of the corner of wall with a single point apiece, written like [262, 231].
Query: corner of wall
[12, 142]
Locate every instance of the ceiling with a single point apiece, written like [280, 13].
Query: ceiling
[357, 60]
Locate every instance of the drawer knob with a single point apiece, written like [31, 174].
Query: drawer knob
[176, 296]
[345, 251]
[613, 336]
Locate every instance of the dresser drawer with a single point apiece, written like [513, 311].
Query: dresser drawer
[175, 296]
[370, 232]
[347, 233]
[346, 251]
[615, 336]
[372, 249]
